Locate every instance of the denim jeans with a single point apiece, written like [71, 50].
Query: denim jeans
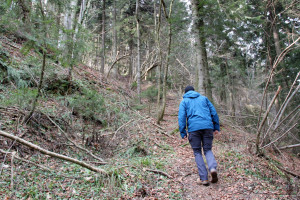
[202, 139]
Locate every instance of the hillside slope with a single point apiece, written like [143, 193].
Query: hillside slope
[143, 160]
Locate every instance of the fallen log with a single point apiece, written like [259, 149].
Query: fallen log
[52, 154]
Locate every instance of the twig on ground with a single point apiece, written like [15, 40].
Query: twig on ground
[121, 127]
[158, 172]
[12, 170]
[289, 172]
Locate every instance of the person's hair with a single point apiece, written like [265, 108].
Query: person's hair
[189, 88]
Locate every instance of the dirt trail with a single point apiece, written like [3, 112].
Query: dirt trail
[236, 169]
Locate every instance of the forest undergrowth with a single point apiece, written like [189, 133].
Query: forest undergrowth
[100, 122]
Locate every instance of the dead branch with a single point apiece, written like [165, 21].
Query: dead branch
[43, 167]
[182, 65]
[286, 103]
[121, 127]
[74, 143]
[289, 172]
[264, 120]
[158, 172]
[278, 60]
[279, 136]
[112, 65]
[151, 67]
[289, 146]
[52, 154]
[283, 107]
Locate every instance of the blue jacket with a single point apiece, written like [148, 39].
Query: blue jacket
[198, 112]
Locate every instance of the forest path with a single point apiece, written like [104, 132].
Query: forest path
[234, 161]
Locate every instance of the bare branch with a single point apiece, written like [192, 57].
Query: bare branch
[158, 172]
[264, 120]
[74, 143]
[290, 146]
[52, 154]
[116, 60]
[280, 136]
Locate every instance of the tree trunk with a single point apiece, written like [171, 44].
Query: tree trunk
[223, 96]
[25, 11]
[162, 110]
[130, 70]
[27, 118]
[207, 81]
[103, 39]
[138, 70]
[197, 26]
[158, 73]
[114, 39]
[72, 19]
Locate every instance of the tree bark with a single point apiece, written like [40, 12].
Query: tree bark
[138, 51]
[223, 96]
[103, 38]
[158, 72]
[164, 100]
[114, 70]
[197, 26]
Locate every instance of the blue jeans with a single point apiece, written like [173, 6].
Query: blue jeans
[203, 139]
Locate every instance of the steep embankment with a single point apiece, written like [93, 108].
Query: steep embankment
[241, 174]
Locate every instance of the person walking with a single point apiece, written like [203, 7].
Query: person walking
[198, 115]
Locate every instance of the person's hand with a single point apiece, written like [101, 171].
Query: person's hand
[216, 132]
[183, 135]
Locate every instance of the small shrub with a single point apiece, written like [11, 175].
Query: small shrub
[21, 97]
[89, 104]
[150, 93]
[134, 85]
[146, 162]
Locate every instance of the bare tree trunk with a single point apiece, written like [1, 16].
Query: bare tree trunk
[130, 71]
[103, 38]
[138, 51]
[26, 119]
[200, 68]
[223, 96]
[114, 70]
[168, 16]
[72, 19]
[207, 83]
[158, 73]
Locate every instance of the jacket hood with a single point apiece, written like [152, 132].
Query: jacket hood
[191, 94]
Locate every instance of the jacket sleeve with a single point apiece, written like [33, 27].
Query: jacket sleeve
[182, 119]
[214, 116]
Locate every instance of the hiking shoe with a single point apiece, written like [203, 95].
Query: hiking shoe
[214, 175]
[205, 183]
[200, 182]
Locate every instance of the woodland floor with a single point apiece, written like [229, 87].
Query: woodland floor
[241, 175]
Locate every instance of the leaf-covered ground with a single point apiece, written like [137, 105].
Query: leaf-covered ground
[159, 148]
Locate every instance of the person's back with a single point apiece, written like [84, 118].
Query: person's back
[199, 112]
[202, 120]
